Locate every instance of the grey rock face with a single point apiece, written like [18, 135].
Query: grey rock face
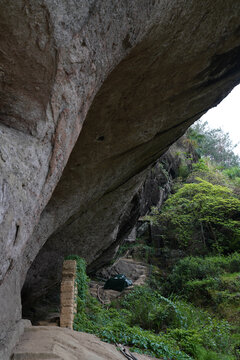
[45, 271]
[91, 94]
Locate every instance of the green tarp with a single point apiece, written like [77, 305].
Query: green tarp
[118, 283]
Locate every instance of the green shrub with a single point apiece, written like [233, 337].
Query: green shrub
[150, 323]
[205, 354]
[188, 340]
[188, 329]
[113, 325]
[234, 263]
[143, 340]
[201, 214]
[149, 309]
[233, 172]
[190, 268]
[183, 171]
[187, 271]
[201, 165]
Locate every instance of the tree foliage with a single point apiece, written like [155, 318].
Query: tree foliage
[201, 213]
[215, 144]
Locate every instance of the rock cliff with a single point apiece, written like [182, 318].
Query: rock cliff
[91, 94]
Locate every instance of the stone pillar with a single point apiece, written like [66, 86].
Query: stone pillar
[68, 294]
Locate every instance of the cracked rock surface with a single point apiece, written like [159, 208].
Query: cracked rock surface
[91, 94]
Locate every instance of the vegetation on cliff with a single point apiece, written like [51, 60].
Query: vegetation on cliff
[203, 216]
[165, 327]
[189, 309]
[214, 144]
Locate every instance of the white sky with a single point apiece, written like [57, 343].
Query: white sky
[227, 116]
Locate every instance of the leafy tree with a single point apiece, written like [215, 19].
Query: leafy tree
[233, 174]
[209, 171]
[214, 143]
[201, 214]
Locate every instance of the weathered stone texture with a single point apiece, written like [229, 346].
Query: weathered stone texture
[45, 343]
[129, 77]
[68, 294]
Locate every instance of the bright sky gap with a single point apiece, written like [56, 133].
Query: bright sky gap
[227, 117]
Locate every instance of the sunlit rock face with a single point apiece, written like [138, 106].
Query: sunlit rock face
[91, 94]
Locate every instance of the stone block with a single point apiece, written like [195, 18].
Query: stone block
[68, 294]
